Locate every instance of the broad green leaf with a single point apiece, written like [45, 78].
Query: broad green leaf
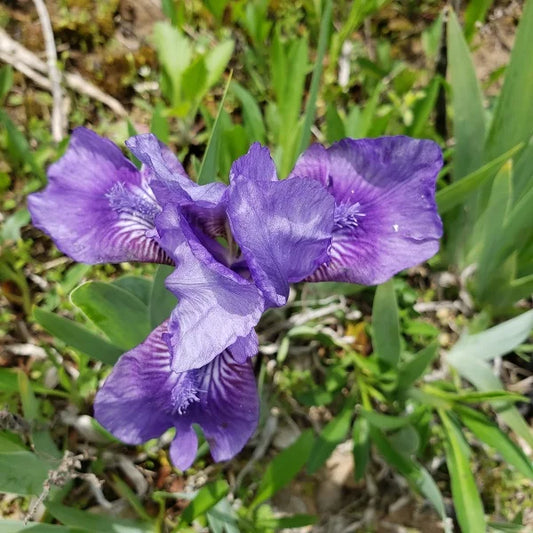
[194, 80]
[284, 467]
[361, 446]
[493, 232]
[466, 498]
[414, 369]
[217, 59]
[21, 471]
[15, 526]
[175, 55]
[469, 358]
[252, 117]
[75, 518]
[386, 422]
[467, 103]
[140, 287]
[116, 312]
[456, 193]
[8, 380]
[222, 518]
[417, 476]
[494, 342]
[162, 301]
[78, 337]
[385, 324]
[489, 433]
[12, 225]
[513, 117]
[332, 434]
[310, 108]
[206, 498]
[208, 170]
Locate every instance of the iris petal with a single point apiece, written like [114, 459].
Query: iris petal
[386, 217]
[97, 206]
[143, 397]
[283, 228]
[216, 306]
[203, 205]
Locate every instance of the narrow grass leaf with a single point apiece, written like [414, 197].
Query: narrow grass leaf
[30, 405]
[467, 103]
[361, 446]
[417, 476]
[456, 193]
[385, 324]
[208, 496]
[410, 372]
[513, 117]
[208, 169]
[252, 117]
[310, 108]
[116, 312]
[489, 433]
[78, 337]
[333, 433]
[466, 498]
[284, 467]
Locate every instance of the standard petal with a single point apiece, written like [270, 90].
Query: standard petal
[283, 229]
[97, 206]
[386, 218]
[203, 205]
[245, 347]
[216, 306]
[256, 165]
[143, 397]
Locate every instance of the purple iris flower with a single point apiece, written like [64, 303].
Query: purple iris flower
[359, 211]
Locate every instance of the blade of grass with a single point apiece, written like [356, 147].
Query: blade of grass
[208, 169]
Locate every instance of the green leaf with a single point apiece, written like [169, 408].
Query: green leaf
[284, 467]
[115, 311]
[332, 434]
[217, 59]
[414, 369]
[206, 498]
[159, 123]
[513, 117]
[475, 12]
[8, 380]
[286, 522]
[162, 301]
[208, 170]
[14, 526]
[21, 471]
[385, 324]
[30, 406]
[467, 103]
[310, 108]
[417, 476]
[468, 357]
[6, 81]
[138, 286]
[361, 446]
[466, 498]
[252, 117]
[175, 55]
[18, 147]
[78, 337]
[489, 433]
[456, 193]
[494, 342]
[86, 521]
[386, 422]
[222, 518]
[425, 107]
